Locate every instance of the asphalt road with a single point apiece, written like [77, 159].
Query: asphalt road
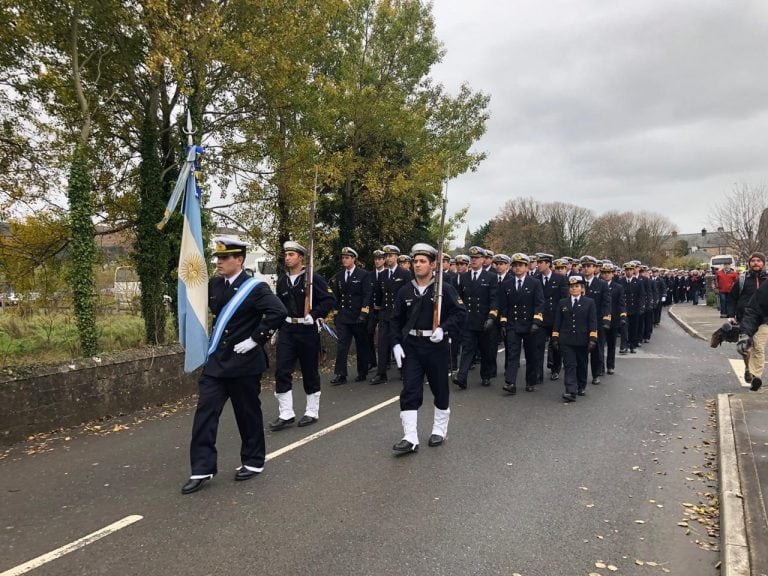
[523, 485]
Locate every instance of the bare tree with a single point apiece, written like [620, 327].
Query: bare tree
[739, 214]
[623, 236]
[568, 228]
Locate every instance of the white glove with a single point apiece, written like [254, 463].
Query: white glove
[397, 350]
[663, 298]
[309, 320]
[245, 346]
[437, 335]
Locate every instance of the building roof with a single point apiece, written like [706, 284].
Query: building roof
[701, 240]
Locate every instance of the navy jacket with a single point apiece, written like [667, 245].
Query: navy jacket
[575, 326]
[618, 304]
[257, 317]
[292, 296]
[479, 297]
[452, 311]
[385, 290]
[353, 297]
[520, 309]
[554, 291]
[598, 291]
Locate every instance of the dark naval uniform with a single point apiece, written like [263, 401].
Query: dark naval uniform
[521, 312]
[618, 320]
[597, 289]
[479, 296]
[298, 340]
[387, 286]
[634, 294]
[353, 293]
[411, 325]
[229, 375]
[576, 332]
[554, 289]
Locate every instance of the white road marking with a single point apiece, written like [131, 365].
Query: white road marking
[71, 547]
[325, 431]
[738, 367]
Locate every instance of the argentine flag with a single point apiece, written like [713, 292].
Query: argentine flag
[193, 270]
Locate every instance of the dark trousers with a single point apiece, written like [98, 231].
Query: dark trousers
[633, 325]
[373, 321]
[213, 393]
[597, 356]
[610, 346]
[624, 335]
[455, 346]
[514, 345]
[546, 352]
[302, 343]
[346, 332]
[657, 314]
[424, 358]
[477, 341]
[648, 324]
[575, 360]
[385, 347]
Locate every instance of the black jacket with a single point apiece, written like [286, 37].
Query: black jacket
[598, 291]
[520, 309]
[575, 326]
[353, 297]
[479, 297]
[386, 288]
[408, 302]
[257, 317]
[555, 290]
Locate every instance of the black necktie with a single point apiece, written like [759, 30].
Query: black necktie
[226, 284]
[474, 277]
[519, 284]
[500, 279]
[346, 279]
[545, 281]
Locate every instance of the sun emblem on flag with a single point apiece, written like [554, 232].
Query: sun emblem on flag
[192, 270]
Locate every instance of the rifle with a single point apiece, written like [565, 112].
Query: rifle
[310, 259]
[439, 270]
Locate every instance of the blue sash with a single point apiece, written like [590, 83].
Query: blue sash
[229, 309]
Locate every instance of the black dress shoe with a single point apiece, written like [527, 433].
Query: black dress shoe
[244, 473]
[596, 380]
[554, 376]
[581, 393]
[623, 351]
[378, 379]
[610, 371]
[435, 440]
[632, 351]
[278, 423]
[485, 382]
[338, 379]
[194, 484]
[460, 383]
[756, 384]
[511, 388]
[361, 377]
[405, 447]
[306, 421]
[567, 398]
[529, 388]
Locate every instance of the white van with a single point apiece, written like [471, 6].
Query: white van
[716, 262]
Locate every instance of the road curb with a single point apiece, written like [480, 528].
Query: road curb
[684, 325]
[733, 531]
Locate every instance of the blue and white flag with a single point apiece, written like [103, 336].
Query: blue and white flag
[193, 270]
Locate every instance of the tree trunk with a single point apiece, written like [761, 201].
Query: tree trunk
[152, 250]
[81, 277]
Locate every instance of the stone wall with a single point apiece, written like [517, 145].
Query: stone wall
[47, 398]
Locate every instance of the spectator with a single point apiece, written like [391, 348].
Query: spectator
[741, 293]
[725, 279]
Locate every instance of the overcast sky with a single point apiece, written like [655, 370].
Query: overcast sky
[611, 104]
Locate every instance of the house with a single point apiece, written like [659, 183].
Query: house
[702, 245]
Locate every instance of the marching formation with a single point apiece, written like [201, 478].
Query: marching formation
[413, 317]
